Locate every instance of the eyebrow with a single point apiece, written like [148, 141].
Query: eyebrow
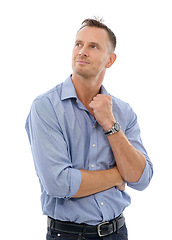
[96, 44]
[92, 43]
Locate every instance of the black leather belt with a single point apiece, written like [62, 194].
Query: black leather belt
[102, 229]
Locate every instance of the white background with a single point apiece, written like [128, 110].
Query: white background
[36, 40]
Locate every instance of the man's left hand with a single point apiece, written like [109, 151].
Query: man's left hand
[102, 109]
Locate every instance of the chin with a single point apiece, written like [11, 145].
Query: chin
[81, 73]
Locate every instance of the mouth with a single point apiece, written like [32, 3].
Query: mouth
[82, 62]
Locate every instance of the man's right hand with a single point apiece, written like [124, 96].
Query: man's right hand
[121, 185]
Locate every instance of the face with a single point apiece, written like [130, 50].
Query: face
[91, 55]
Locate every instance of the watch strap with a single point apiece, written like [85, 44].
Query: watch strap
[113, 129]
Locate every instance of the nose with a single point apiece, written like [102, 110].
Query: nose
[83, 52]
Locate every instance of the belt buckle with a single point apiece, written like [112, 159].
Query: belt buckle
[99, 229]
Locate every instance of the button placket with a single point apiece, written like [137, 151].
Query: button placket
[93, 146]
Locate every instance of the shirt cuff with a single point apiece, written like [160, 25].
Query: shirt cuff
[75, 182]
[143, 181]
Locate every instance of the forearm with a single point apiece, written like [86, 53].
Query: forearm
[130, 162]
[97, 181]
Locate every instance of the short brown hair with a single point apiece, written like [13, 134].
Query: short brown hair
[89, 22]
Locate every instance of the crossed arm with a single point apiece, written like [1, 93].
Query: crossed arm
[97, 181]
[130, 162]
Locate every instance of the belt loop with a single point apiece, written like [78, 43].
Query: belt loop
[51, 224]
[117, 226]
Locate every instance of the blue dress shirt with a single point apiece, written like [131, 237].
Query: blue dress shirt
[64, 138]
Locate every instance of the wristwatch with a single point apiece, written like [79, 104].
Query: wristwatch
[116, 128]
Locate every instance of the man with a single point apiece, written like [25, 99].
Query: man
[86, 145]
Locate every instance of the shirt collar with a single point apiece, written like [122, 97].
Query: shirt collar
[68, 90]
[104, 91]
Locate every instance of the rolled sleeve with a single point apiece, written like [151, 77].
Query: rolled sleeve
[75, 182]
[144, 179]
[133, 134]
[50, 152]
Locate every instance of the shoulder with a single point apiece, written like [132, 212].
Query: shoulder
[120, 104]
[50, 94]
[48, 97]
[43, 105]
[123, 112]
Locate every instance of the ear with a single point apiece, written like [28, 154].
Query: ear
[112, 59]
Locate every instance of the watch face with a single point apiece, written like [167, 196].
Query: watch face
[117, 126]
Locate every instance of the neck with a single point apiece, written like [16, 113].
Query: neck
[86, 89]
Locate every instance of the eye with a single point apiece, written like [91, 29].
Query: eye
[78, 45]
[94, 47]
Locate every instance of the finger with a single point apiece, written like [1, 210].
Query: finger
[91, 104]
[121, 187]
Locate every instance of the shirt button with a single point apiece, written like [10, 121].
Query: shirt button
[77, 100]
[92, 165]
[94, 126]
[93, 145]
[101, 203]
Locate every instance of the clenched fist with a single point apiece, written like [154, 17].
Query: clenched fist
[102, 109]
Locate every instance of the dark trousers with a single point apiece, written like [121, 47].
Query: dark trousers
[56, 235]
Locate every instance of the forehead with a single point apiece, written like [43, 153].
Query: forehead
[92, 34]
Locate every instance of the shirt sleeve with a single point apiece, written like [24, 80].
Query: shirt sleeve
[133, 134]
[50, 153]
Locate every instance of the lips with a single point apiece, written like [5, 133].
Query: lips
[82, 62]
